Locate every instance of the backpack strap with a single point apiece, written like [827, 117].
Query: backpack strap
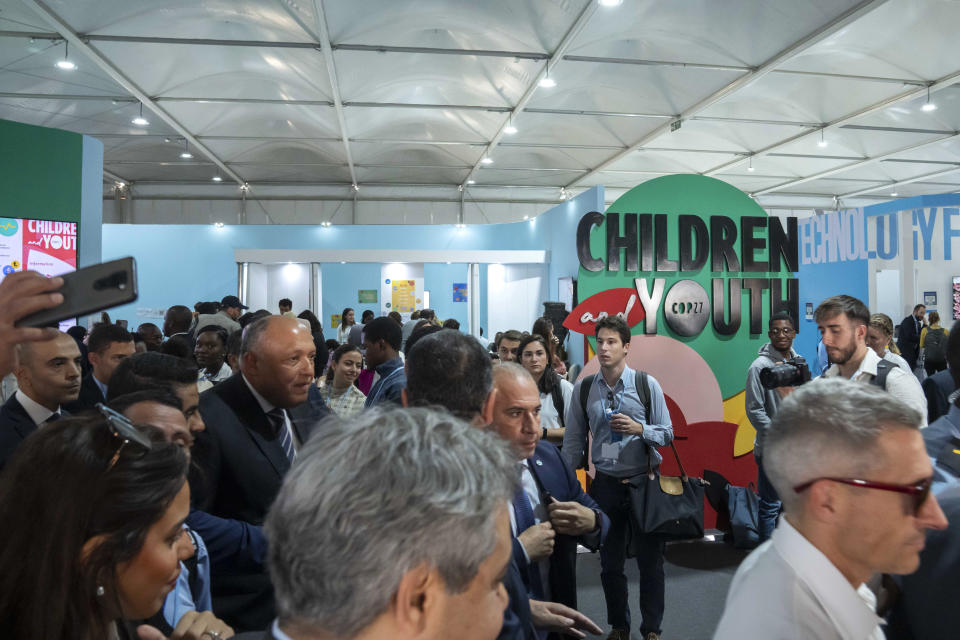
[557, 394]
[884, 367]
[585, 385]
[643, 391]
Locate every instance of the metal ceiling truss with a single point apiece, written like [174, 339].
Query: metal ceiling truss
[120, 78]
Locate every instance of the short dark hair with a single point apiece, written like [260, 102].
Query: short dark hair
[511, 334]
[217, 329]
[158, 395]
[919, 306]
[423, 329]
[147, 326]
[451, 370]
[177, 319]
[103, 335]
[384, 329]
[233, 343]
[149, 370]
[178, 347]
[614, 323]
[396, 317]
[781, 316]
[366, 316]
[207, 308]
[851, 307]
[427, 314]
[285, 302]
[451, 323]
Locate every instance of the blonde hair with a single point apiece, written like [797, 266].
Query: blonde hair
[883, 322]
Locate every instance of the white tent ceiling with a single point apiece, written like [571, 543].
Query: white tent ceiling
[303, 99]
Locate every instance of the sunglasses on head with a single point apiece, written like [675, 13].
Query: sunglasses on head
[122, 429]
[919, 492]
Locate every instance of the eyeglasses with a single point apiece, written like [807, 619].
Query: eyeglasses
[121, 427]
[918, 491]
[782, 332]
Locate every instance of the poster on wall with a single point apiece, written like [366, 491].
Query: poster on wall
[45, 246]
[404, 295]
[930, 298]
[367, 296]
[459, 291]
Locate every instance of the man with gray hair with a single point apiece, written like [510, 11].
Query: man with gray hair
[849, 463]
[409, 538]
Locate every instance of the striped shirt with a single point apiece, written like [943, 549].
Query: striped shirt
[347, 404]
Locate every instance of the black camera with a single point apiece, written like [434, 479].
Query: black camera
[791, 373]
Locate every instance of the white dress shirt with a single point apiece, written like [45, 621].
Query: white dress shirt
[37, 412]
[787, 589]
[268, 407]
[540, 514]
[901, 385]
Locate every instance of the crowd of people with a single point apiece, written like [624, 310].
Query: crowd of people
[233, 474]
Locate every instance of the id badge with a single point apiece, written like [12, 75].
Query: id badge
[610, 451]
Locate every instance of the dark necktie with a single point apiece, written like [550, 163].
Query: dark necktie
[53, 418]
[279, 423]
[524, 515]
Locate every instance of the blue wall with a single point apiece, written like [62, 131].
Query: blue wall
[181, 264]
[339, 285]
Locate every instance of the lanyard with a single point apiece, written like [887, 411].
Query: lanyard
[619, 404]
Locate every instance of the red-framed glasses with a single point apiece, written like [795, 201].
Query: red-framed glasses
[919, 491]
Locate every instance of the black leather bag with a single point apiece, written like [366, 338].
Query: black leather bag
[667, 506]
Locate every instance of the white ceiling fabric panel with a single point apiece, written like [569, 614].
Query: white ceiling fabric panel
[441, 99]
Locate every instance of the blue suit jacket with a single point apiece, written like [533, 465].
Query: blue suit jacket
[556, 478]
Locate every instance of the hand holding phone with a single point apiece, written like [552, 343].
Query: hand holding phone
[22, 294]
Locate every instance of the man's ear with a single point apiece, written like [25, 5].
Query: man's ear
[248, 363]
[823, 501]
[487, 412]
[415, 602]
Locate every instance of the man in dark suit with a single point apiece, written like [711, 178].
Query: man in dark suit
[557, 514]
[452, 370]
[48, 376]
[107, 346]
[256, 421]
[908, 340]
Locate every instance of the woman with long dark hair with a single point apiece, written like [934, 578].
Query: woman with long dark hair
[316, 330]
[347, 320]
[93, 511]
[337, 388]
[543, 326]
[533, 353]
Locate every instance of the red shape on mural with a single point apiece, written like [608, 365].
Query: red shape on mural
[584, 317]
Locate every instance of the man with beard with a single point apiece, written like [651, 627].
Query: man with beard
[843, 322]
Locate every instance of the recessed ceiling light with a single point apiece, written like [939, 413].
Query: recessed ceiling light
[509, 129]
[547, 82]
[894, 194]
[822, 144]
[217, 179]
[611, 3]
[929, 106]
[471, 181]
[460, 225]
[186, 155]
[526, 217]
[218, 225]
[487, 161]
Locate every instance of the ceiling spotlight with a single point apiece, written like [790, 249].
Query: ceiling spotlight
[218, 225]
[487, 160]
[217, 179]
[928, 106]
[547, 82]
[526, 217]
[510, 129]
[167, 140]
[750, 165]
[343, 262]
[611, 3]
[822, 143]
[186, 155]
[460, 225]
[894, 194]
[66, 64]
[563, 193]
[471, 181]
[140, 121]
[355, 188]
[325, 223]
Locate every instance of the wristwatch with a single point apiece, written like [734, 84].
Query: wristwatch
[599, 518]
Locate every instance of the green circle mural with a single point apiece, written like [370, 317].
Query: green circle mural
[708, 265]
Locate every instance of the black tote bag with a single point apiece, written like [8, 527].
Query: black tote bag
[667, 506]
